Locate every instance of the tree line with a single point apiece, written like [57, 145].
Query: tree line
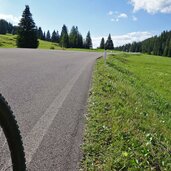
[7, 27]
[72, 39]
[108, 44]
[156, 45]
[28, 34]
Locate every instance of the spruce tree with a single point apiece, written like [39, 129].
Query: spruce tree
[3, 26]
[48, 36]
[40, 33]
[54, 36]
[88, 41]
[14, 30]
[80, 41]
[73, 37]
[64, 39]
[57, 37]
[109, 43]
[27, 32]
[169, 49]
[44, 36]
[102, 43]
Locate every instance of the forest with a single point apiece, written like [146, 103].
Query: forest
[157, 45]
[72, 39]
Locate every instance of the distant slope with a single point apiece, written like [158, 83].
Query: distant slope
[9, 41]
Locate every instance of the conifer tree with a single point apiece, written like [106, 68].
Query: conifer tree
[44, 36]
[57, 37]
[80, 41]
[27, 32]
[48, 36]
[88, 41]
[102, 43]
[64, 39]
[40, 33]
[14, 30]
[109, 43]
[54, 36]
[73, 37]
[3, 26]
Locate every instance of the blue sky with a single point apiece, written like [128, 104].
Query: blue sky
[126, 20]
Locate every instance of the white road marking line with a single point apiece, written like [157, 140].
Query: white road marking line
[35, 137]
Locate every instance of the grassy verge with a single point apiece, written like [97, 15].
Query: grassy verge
[129, 121]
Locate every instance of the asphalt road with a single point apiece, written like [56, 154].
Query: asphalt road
[48, 91]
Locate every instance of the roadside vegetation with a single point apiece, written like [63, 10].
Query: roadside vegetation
[128, 124]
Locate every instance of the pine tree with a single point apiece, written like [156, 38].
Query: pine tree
[102, 43]
[44, 36]
[64, 39]
[10, 28]
[14, 30]
[40, 33]
[54, 36]
[3, 26]
[27, 33]
[80, 41]
[169, 49]
[57, 37]
[88, 41]
[109, 43]
[48, 36]
[73, 37]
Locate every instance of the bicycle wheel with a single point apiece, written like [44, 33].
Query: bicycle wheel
[11, 148]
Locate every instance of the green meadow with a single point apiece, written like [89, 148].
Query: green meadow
[128, 125]
[9, 41]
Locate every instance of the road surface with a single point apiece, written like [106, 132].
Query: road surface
[47, 91]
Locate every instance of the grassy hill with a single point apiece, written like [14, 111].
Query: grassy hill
[9, 41]
[129, 114]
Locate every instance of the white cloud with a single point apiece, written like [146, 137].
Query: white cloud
[119, 40]
[122, 15]
[152, 6]
[117, 16]
[110, 13]
[10, 18]
[114, 19]
[134, 18]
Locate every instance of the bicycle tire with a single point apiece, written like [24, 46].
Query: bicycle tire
[13, 137]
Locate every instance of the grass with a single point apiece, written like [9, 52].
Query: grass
[48, 45]
[129, 115]
[9, 41]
